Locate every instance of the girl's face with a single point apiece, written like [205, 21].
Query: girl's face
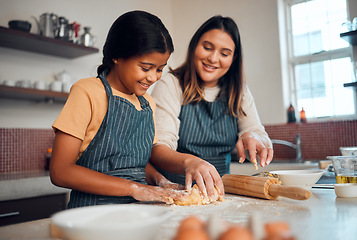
[137, 74]
[213, 56]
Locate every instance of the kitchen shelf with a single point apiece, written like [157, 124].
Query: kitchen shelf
[20, 40]
[32, 94]
[350, 37]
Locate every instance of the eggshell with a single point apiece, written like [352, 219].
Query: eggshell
[236, 233]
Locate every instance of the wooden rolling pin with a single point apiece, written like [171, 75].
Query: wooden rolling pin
[261, 187]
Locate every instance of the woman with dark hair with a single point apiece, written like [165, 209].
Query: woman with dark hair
[105, 132]
[205, 110]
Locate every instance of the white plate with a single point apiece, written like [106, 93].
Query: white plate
[126, 221]
[299, 178]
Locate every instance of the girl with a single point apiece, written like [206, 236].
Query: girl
[204, 110]
[105, 132]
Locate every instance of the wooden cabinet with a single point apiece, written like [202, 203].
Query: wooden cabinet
[28, 209]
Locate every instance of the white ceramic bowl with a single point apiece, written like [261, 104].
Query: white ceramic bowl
[346, 190]
[348, 151]
[299, 178]
[126, 221]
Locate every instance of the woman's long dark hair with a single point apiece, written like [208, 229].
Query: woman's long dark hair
[231, 83]
[133, 34]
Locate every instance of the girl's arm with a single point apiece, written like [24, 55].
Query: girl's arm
[65, 173]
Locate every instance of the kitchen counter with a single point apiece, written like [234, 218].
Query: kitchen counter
[323, 216]
[19, 185]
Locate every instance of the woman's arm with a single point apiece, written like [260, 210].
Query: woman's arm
[153, 177]
[252, 134]
[65, 173]
[167, 94]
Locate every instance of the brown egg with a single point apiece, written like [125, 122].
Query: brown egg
[192, 234]
[277, 230]
[191, 222]
[236, 233]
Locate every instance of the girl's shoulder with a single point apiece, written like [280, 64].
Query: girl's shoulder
[91, 83]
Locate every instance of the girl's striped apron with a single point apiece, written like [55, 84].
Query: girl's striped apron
[121, 147]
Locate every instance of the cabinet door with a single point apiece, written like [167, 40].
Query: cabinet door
[28, 209]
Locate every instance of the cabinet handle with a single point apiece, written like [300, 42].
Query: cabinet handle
[9, 214]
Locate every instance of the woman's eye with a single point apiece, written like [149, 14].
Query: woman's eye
[145, 69]
[159, 70]
[224, 55]
[207, 48]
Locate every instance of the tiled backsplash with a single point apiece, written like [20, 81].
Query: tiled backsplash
[25, 149]
[319, 139]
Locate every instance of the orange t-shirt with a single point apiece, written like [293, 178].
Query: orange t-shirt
[86, 107]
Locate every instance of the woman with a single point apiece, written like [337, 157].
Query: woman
[105, 132]
[204, 110]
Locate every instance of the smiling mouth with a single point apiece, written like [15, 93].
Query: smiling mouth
[144, 85]
[209, 67]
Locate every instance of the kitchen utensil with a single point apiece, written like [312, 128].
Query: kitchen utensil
[345, 168]
[261, 187]
[298, 178]
[56, 86]
[20, 25]
[62, 29]
[346, 190]
[120, 222]
[47, 24]
[348, 151]
[87, 39]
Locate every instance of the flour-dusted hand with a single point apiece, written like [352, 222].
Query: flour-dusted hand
[256, 147]
[147, 193]
[205, 175]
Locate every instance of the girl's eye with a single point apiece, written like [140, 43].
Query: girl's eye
[159, 70]
[207, 48]
[145, 69]
[224, 55]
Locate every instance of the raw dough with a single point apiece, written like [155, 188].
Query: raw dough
[196, 198]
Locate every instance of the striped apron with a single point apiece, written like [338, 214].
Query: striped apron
[121, 147]
[209, 132]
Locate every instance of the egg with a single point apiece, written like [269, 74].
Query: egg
[191, 222]
[192, 234]
[277, 230]
[191, 228]
[236, 232]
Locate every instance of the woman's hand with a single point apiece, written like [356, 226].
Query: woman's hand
[142, 192]
[256, 147]
[205, 175]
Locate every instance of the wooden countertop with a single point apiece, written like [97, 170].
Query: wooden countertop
[323, 216]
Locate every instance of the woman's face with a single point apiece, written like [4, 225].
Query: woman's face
[137, 74]
[213, 56]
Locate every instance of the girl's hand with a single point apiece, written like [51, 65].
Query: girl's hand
[149, 193]
[205, 175]
[253, 143]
